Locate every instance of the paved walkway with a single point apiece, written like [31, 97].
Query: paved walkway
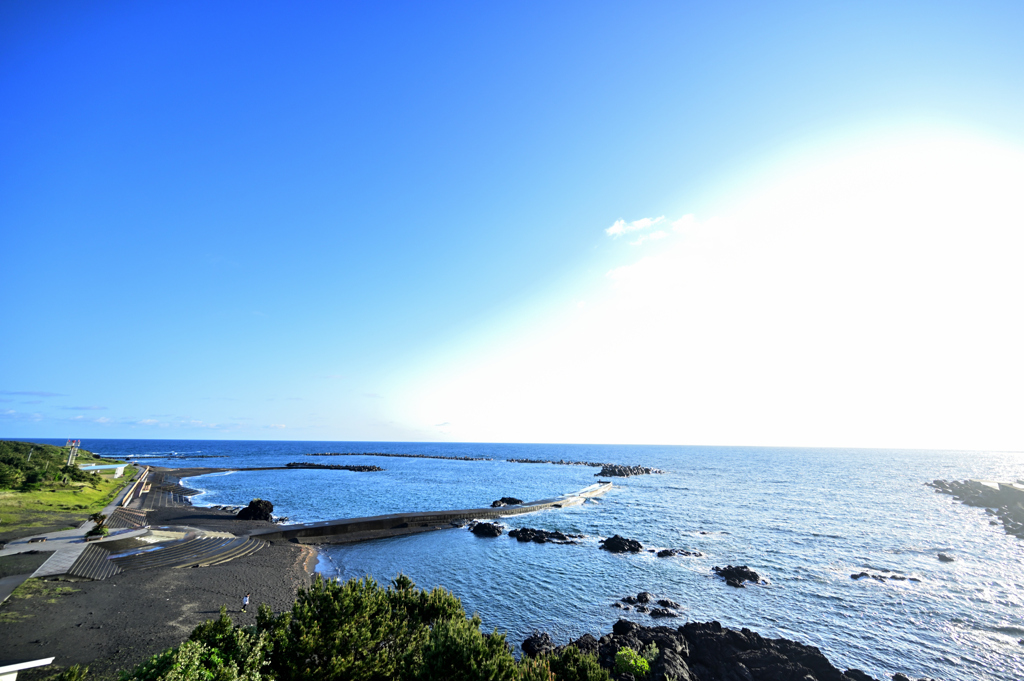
[67, 546]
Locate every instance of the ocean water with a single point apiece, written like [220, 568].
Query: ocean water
[805, 519]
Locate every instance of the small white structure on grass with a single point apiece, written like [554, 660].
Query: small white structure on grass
[118, 469]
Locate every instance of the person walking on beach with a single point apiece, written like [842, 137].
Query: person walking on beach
[245, 602]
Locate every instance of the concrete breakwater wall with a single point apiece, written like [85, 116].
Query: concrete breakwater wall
[347, 530]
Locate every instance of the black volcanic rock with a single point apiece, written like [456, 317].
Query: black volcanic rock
[615, 470]
[506, 501]
[525, 534]
[538, 644]
[736, 575]
[617, 544]
[486, 529]
[709, 652]
[258, 509]
[668, 553]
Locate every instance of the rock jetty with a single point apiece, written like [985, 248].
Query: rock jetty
[334, 467]
[506, 501]
[1005, 504]
[736, 575]
[617, 471]
[560, 462]
[705, 651]
[525, 534]
[617, 544]
[403, 456]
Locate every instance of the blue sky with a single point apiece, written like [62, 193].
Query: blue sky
[384, 221]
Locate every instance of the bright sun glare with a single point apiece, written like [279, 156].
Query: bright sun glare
[870, 300]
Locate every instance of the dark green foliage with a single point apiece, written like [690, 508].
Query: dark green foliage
[358, 631]
[47, 463]
[573, 665]
[10, 476]
[216, 651]
[99, 530]
[458, 651]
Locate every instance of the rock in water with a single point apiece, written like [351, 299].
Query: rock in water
[486, 529]
[506, 501]
[946, 558]
[617, 544]
[736, 575]
[258, 509]
[538, 644]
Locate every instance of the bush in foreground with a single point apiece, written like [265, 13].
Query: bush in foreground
[359, 631]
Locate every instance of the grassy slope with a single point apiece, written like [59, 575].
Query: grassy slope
[54, 506]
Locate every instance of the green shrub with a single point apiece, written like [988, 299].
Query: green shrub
[628, 661]
[359, 631]
[215, 651]
[99, 530]
[650, 653]
[573, 665]
[534, 669]
[10, 476]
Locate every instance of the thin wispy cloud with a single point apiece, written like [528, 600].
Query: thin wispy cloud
[89, 408]
[653, 236]
[622, 227]
[32, 393]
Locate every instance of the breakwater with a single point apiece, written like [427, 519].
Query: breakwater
[403, 456]
[334, 467]
[348, 530]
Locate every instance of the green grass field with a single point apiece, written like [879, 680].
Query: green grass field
[56, 506]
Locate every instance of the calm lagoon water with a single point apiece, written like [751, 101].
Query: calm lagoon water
[804, 518]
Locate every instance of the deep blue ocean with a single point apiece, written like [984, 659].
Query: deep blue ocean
[806, 519]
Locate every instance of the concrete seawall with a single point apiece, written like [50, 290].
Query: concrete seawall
[347, 530]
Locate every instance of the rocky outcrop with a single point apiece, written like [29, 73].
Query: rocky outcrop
[707, 651]
[946, 558]
[668, 553]
[889, 575]
[643, 603]
[617, 544]
[335, 467]
[258, 509]
[615, 470]
[525, 534]
[486, 529]
[506, 501]
[1006, 505]
[538, 644]
[736, 575]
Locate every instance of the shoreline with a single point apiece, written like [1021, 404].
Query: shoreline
[120, 622]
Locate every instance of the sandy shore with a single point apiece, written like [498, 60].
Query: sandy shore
[115, 624]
